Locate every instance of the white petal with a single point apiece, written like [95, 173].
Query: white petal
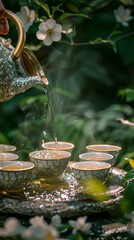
[51, 23]
[25, 10]
[27, 26]
[32, 15]
[58, 28]
[56, 220]
[24, 20]
[22, 17]
[125, 24]
[40, 35]
[43, 26]
[86, 227]
[81, 220]
[37, 221]
[48, 41]
[56, 36]
[4, 233]
[72, 223]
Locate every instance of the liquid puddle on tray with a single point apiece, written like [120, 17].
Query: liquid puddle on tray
[55, 190]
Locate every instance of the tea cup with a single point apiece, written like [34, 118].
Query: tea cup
[7, 156]
[58, 145]
[14, 175]
[91, 170]
[106, 148]
[97, 156]
[50, 163]
[7, 148]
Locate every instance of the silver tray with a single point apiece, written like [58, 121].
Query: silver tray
[63, 196]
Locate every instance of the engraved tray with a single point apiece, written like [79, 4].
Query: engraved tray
[64, 197]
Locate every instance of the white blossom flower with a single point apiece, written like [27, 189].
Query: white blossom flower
[49, 32]
[27, 16]
[56, 221]
[38, 220]
[123, 15]
[40, 230]
[80, 225]
[12, 227]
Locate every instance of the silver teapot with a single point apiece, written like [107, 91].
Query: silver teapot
[19, 67]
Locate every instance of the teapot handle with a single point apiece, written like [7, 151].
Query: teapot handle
[21, 34]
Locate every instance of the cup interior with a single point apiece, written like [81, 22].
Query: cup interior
[7, 148]
[16, 166]
[60, 145]
[7, 156]
[90, 166]
[103, 147]
[95, 156]
[49, 155]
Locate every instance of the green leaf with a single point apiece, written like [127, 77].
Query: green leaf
[127, 203]
[72, 7]
[109, 41]
[63, 228]
[127, 93]
[129, 176]
[98, 40]
[67, 15]
[57, 8]
[95, 190]
[99, 3]
[113, 44]
[44, 6]
[3, 139]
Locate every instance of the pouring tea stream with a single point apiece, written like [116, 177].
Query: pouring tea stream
[19, 67]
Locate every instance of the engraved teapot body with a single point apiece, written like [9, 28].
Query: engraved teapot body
[19, 68]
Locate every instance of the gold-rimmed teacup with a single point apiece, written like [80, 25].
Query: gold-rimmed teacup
[91, 170]
[7, 156]
[58, 146]
[14, 175]
[105, 148]
[97, 156]
[7, 148]
[50, 163]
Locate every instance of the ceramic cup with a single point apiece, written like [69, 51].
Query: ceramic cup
[97, 156]
[91, 170]
[6, 156]
[7, 148]
[60, 146]
[105, 148]
[14, 175]
[50, 163]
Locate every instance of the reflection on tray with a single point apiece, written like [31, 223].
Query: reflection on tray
[64, 189]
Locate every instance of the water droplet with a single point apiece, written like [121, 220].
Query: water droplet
[42, 207]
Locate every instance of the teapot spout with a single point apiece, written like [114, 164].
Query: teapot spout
[24, 83]
[21, 85]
